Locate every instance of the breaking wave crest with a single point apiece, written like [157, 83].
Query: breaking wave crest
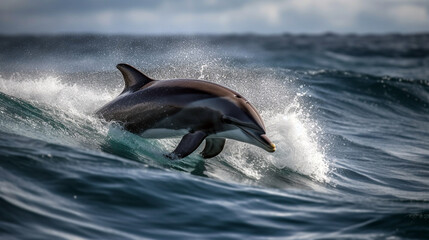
[71, 106]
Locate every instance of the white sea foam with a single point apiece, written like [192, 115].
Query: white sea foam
[69, 106]
[297, 146]
[297, 150]
[51, 91]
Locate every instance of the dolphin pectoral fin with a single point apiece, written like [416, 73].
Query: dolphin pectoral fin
[213, 147]
[188, 144]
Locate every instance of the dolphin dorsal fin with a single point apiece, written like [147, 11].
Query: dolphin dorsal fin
[134, 79]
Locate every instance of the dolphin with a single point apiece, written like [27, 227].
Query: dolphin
[195, 109]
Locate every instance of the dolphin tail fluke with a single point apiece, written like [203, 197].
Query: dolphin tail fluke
[188, 144]
[213, 147]
[134, 79]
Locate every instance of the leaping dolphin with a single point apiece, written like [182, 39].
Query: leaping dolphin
[194, 109]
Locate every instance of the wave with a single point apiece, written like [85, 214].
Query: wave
[50, 110]
[55, 111]
[348, 114]
[385, 95]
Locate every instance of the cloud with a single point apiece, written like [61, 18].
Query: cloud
[406, 14]
[213, 16]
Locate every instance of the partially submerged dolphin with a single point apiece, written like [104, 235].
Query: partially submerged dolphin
[194, 109]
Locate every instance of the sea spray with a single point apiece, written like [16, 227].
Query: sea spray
[54, 111]
[67, 97]
[297, 147]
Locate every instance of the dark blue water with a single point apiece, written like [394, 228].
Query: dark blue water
[349, 115]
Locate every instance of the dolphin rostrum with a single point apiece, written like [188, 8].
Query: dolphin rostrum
[194, 109]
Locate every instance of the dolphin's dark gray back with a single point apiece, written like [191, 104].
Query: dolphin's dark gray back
[167, 97]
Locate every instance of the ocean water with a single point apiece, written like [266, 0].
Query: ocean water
[349, 115]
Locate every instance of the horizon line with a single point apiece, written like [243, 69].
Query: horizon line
[323, 33]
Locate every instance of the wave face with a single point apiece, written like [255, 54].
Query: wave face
[349, 115]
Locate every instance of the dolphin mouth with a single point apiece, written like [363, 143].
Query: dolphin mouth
[269, 146]
[262, 141]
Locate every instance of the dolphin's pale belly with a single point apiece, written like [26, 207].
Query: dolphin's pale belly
[163, 133]
[235, 134]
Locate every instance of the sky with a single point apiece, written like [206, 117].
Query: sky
[213, 16]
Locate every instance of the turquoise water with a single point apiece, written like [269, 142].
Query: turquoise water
[349, 116]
